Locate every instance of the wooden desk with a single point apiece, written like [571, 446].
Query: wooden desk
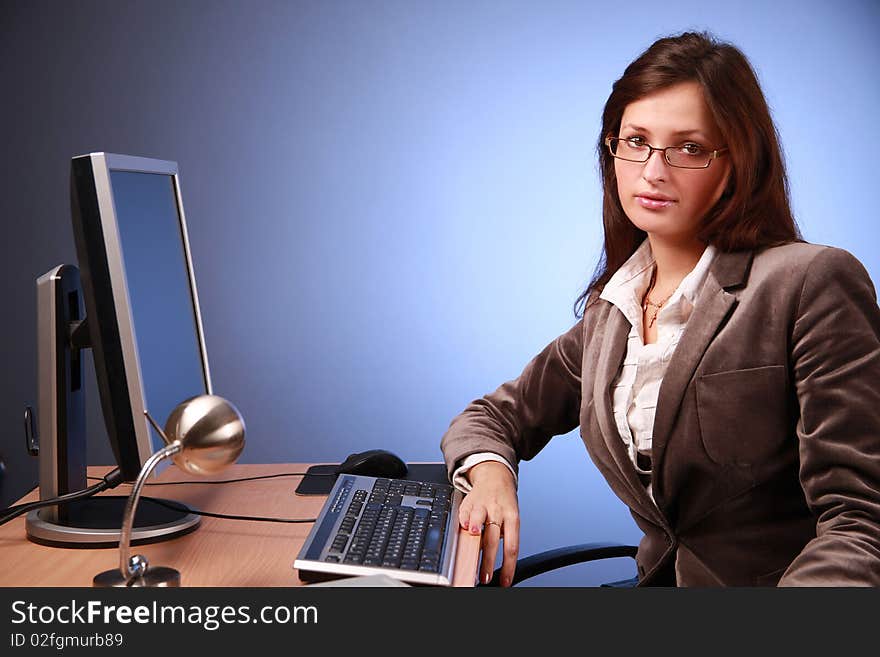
[219, 553]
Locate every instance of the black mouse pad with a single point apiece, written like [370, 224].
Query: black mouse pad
[319, 479]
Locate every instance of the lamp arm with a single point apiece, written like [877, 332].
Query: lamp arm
[131, 506]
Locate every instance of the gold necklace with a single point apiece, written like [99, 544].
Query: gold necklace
[647, 302]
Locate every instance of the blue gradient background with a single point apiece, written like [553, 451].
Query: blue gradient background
[393, 205]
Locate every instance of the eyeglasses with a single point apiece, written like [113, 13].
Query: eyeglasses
[686, 156]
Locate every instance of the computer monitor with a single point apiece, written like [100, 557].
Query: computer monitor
[133, 301]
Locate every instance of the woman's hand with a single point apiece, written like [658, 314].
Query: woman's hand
[491, 507]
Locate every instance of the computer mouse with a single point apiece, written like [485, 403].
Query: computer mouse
[373, 463]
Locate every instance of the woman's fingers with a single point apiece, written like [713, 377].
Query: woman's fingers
[476, 518]
[491, 508]
[491, 539]
[511, 547]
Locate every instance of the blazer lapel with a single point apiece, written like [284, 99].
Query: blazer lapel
[632, 492]
[714, 305]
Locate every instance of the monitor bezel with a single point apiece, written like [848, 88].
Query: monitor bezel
[119, 312]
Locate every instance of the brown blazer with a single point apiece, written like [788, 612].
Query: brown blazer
[766, 445]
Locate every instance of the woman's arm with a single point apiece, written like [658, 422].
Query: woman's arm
[519, 418]
[836, 367]
[515, 422]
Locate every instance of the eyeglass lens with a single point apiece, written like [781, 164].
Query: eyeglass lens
[688, 156]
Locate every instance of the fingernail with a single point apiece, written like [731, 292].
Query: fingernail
[486, 578]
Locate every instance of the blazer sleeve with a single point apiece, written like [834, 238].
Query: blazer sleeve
[835, 354]
[519, 418]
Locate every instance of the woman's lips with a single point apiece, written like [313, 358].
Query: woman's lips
[653, 203]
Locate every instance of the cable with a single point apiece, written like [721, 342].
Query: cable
[171, 505]
[235, 481]
[110, 480]
[114, 478]
[181, 507]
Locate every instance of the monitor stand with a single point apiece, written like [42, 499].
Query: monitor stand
[96, 521]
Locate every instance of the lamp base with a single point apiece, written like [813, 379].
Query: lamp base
[160, 576]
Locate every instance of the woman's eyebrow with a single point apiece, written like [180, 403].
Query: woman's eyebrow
[695, 131]
[678, 133]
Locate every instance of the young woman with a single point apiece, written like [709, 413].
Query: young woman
[724, 373]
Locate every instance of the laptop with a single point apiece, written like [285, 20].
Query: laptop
[404, 529]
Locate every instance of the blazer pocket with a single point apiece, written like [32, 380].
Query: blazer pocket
[742, 414]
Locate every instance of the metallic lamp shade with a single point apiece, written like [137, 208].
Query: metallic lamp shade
[210, 431]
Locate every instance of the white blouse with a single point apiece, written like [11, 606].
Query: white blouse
[637, 386]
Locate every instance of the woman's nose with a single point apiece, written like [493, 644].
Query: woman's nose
[656, 168]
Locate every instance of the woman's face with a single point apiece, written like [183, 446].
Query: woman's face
[665, 201]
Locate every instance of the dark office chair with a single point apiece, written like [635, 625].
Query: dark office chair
[543, 562]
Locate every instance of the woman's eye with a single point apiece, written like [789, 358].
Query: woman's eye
[634, 142]
[691, 149]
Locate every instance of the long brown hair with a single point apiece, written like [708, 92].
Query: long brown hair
[754, 210]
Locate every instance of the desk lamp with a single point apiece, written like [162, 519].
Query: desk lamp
[202, 436]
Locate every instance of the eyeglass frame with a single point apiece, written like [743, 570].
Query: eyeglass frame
[713, 155]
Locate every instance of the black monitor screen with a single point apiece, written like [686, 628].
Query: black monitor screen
[160, 296]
